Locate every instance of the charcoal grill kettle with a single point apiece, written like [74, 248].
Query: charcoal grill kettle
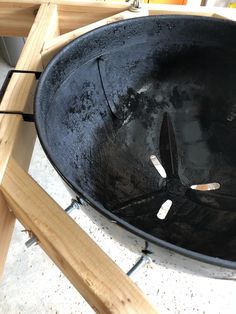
[141, 113]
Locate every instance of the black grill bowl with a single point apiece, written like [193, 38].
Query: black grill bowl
[153, 86]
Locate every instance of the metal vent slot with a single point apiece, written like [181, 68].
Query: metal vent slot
[206, 187]
[163, 211]
[158, 166]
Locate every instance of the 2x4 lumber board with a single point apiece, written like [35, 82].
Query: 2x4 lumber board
[72, 20]
[44, 28]
[65, 3]
[8, 131]
[74, 14]
[73, 17]
[92, 6]
[16, 21]
[156, 9]
[24, 144]
[18, 95]
[19, 4]
[75, 5]
[16, 18]
[100, 281]
[226, 15]
[17, 137]
[53, 46]
[7, 222]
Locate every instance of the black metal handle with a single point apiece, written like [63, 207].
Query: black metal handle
[26, 116]
[9, 75]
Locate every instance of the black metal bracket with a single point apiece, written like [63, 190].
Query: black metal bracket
[26, 116]
[9, 75]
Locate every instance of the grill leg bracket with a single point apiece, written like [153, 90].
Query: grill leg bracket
[142, 262]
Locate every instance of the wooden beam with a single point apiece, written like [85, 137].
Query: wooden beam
[19, 3]
[19, 96]
[105, 6]
[88, 7]
[73, 20]
[53, 46]
[16, 18]
[226, 15]
[17, 137]
[157, 9]
[74, 16]
[7, 222]
[8, 130]
[66, 3]
[19, 93]
[45, 27]
[24, 144]
[100, 281]
[16, 21]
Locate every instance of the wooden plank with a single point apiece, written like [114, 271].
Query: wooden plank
[8, 132]
[24, 144]
[100, 281]
[65, 3]
[7, 223]
[19, 3]
[16, 21]
[45, 27]
[9, 125]
[91, 6]
[156, 9]
[16, 18]
[53, 46]
[73, 20]
[19, 96]
[17, 137]
[74, 14]
[226, 15]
